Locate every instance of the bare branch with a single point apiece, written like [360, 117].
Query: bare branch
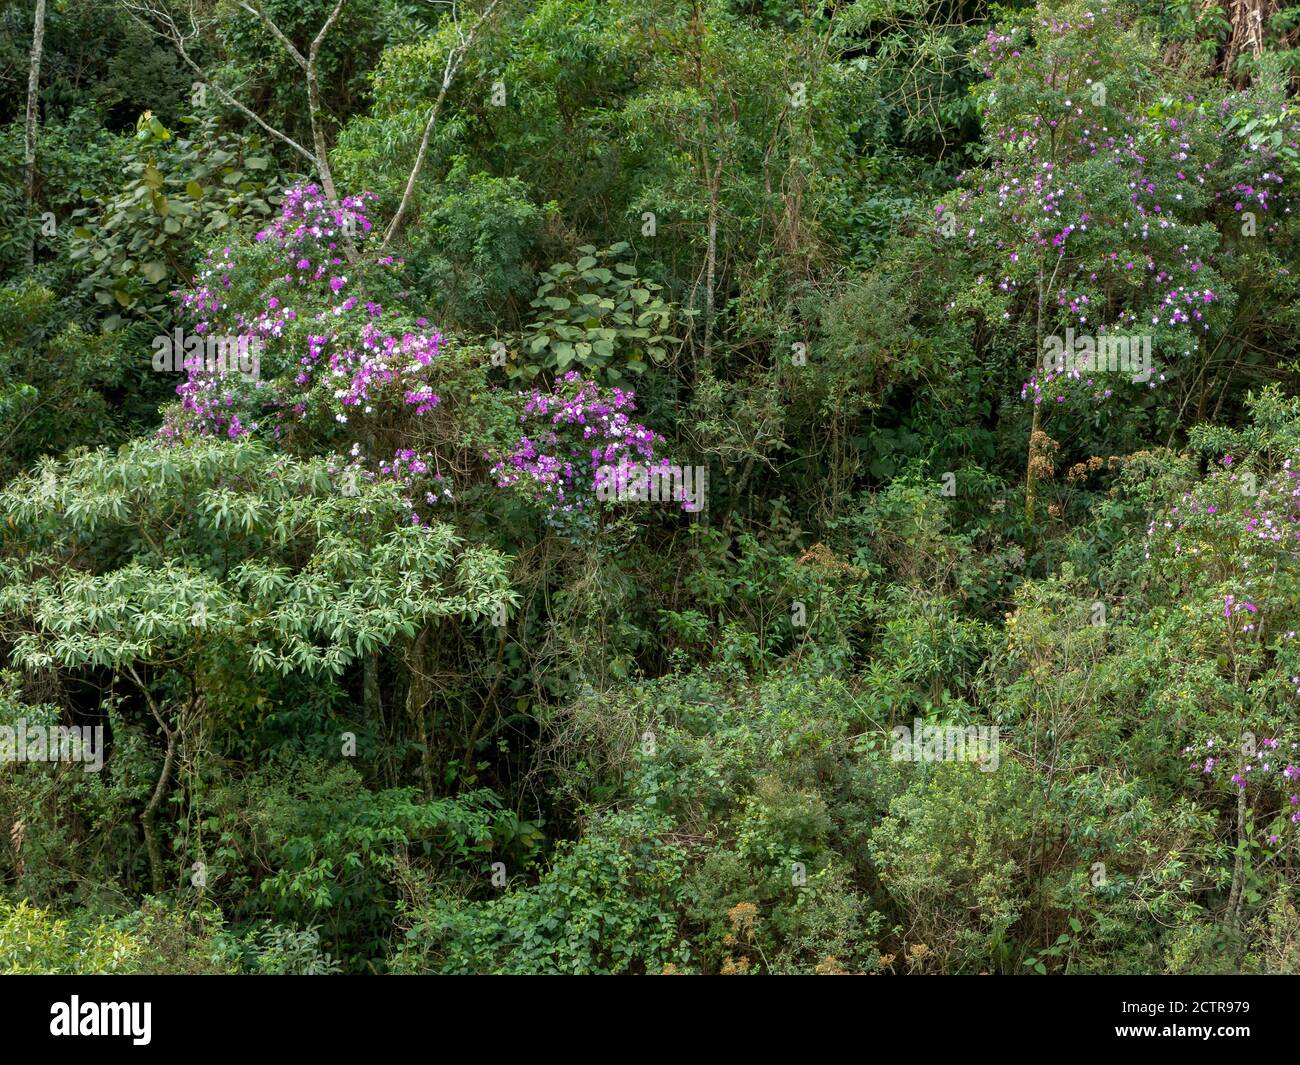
[314, 111]
[454, 59]
[320, 37]
[279, 35]
[33, 118]
[152, 15]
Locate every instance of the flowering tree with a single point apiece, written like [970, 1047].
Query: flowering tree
[245, 565]
[342, 353]
[578, 443]
[1228, 546]
[1101, 211]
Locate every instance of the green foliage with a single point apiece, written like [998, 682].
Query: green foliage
[948, 854]
[606, 905]
[150, 941]
[340, 853]
[176, 192]
[287, 952]
[596, 316]
[238, 560]
[35, 941]
[480, 237]
[364, 720]
[62, 387]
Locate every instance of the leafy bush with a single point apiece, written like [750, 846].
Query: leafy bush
[606, 905]
[598, 316]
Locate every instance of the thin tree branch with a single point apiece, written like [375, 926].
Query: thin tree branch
[454, 59]
[150, 15]
[33, 117]
[314, 112]
[279, 35]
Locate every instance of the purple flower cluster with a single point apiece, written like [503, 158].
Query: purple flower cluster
[410, 468]
[577, 439]
[308, 222]
[1126, 256]
[306, 307]
[1270, 515]
[1265, 765]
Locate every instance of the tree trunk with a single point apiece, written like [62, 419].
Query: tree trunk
[417, 700]
[1235, 897]
[150, 820]
[711, 263]
[1247, 18]
[33, 108]
[454, 59]
[370, 697]
[1031, 470]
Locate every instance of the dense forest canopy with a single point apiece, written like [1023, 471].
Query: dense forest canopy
[666, 486]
